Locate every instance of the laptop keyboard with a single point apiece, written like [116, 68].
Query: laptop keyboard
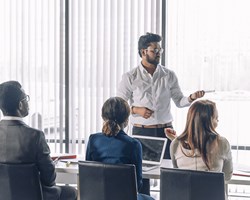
[147, 165]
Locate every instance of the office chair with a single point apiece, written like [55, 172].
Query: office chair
[99, 181]
[191, 185]
[19, 182]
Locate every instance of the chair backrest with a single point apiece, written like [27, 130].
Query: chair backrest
[99, 181]
[19, 181]
[191, 185]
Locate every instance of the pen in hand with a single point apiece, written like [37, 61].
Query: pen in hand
[209, 91]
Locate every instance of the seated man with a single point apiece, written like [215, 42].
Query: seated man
[25, 144]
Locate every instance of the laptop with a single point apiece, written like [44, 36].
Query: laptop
[153, 149]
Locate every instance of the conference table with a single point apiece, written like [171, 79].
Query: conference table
[67, 173]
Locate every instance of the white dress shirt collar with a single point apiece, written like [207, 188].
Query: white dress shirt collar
[12, 118]
[142, 69]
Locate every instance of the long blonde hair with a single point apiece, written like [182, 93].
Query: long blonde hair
[199, 132]
[115, 113]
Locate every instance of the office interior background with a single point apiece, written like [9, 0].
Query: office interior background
[70, 55]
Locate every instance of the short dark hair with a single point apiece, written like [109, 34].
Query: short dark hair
[10, 96]
[145, 40]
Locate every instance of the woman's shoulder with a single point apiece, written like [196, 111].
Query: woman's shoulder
[223, 144]
[222, 140]
[94, 136]
[128, 138]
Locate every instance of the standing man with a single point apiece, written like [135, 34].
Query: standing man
[25, 144]
[150, 87]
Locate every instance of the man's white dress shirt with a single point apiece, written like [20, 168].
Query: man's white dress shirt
[154, 92]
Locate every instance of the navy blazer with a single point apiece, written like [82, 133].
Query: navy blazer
[119, 149]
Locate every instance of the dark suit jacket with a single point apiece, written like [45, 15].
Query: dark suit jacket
[119, 149]
[20, 143]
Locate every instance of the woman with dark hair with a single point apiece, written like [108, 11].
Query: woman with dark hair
[113, 145]
[200, 147]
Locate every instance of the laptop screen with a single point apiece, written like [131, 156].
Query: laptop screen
[153, 148]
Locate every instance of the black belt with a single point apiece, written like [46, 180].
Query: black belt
[154, 126]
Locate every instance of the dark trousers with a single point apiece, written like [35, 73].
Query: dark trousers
[153, 132]
[59, 193]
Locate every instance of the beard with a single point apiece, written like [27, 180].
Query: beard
[154, 61]
[24, 111]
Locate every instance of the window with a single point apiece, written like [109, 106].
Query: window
[30, 54]
[79, 47]
[208, 47]
[103, 45]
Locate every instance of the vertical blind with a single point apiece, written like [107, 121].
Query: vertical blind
[103, 36]
[103, 45]
[208, 48]
[207, 45]
[30, 54]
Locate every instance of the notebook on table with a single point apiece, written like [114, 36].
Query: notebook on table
[153, 149]
[58, 156]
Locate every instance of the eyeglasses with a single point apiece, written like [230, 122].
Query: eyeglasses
[26, 98]
[156, 51]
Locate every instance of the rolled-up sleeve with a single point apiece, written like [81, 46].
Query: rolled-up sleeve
[179, 99]
[125, 88]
